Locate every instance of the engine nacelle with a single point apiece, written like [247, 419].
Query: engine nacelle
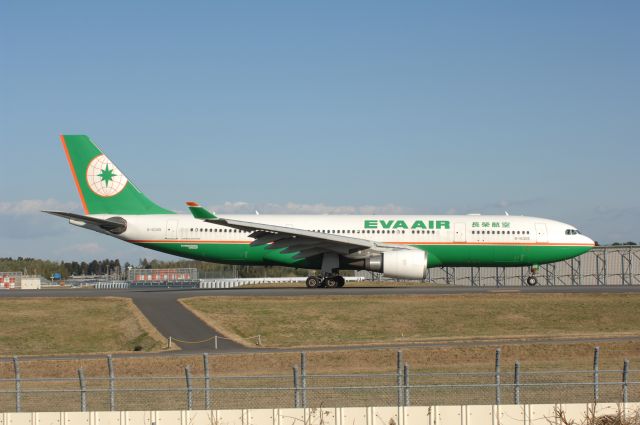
[402, 264]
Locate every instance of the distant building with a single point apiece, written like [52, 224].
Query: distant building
[10, 280]
[16, 280]
[163, 277]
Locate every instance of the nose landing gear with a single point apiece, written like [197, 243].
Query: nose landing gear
[532, 280]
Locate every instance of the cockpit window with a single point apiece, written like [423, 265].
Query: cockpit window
[571, 232]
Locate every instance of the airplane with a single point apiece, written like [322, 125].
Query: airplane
[398, 246]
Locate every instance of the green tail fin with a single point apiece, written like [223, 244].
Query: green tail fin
[103, 188]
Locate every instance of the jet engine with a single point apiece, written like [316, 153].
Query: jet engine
[403, 264]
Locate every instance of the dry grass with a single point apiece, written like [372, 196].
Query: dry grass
[593, 417]
[340, 320]
[531, 357]
[74, 325]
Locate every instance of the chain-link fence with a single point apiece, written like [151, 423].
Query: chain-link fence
[302, 388]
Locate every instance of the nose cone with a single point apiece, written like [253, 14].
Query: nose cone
[588, 242]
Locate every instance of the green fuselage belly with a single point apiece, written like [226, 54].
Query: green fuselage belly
[455, 255]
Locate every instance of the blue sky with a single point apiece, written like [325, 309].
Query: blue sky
[417, 107]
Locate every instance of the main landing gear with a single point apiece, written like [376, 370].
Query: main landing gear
[330, 281]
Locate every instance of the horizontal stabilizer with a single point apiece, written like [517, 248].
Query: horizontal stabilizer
[201, 212]
[114, 225]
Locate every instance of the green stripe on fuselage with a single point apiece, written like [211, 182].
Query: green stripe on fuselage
[455, 255]
[466, 255]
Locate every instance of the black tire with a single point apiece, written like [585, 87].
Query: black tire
[331, 282]
[313, 282]
[532, 281]
[341, 281]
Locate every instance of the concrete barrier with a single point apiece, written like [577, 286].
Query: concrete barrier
[392, 415]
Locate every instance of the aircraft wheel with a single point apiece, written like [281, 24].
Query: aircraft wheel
[532, 281]
[331, 282]
[341, 281]
[313, 282]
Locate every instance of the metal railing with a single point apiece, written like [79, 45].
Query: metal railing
[300, 388]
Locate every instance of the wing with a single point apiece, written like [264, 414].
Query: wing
[305, 243]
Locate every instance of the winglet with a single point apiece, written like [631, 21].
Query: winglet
[201, 212]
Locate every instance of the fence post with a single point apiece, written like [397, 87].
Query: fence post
[407, 400]
[296, 395]
[16, 369]
[83, 391]
[112, 384]
[497, 376]
[596, 375]
[187, 375]
[215, 342]
[399, 376]
[169, 342]
[303, 376]
[516, 384]
[625, 382]
[207, 381]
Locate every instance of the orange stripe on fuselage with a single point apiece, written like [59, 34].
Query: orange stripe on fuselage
[196, 241]
[73, 172]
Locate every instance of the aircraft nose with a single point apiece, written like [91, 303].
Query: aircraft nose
[589, 241]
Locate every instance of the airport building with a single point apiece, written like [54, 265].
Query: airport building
[16, 280]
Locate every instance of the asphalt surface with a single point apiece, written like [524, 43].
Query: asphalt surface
[171, 318]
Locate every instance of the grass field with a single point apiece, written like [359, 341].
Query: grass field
[340, 320]
[74, 325]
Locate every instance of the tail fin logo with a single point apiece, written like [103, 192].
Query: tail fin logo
[104, 178]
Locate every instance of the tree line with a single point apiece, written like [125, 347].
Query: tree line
[47, 268]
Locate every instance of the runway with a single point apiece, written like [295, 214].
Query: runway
[156, 294]
[171, 318]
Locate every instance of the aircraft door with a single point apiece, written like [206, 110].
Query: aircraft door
[461, 232]
[541, 232]
[172, 229]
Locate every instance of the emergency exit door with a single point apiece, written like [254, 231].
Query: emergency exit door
[541, 232]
